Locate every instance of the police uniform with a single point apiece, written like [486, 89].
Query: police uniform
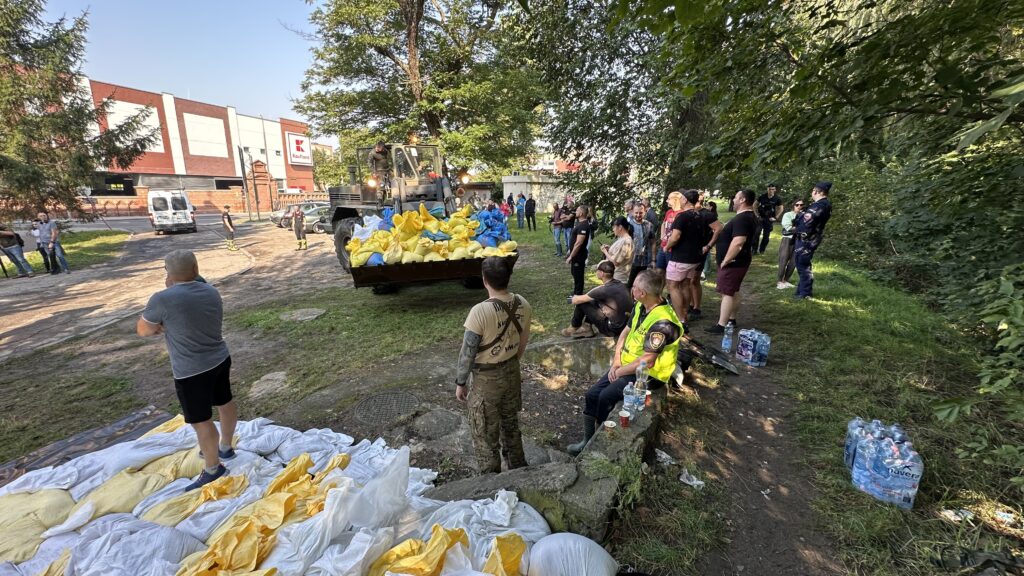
[495, 395]
[299, 227]
[809, 232]
[229, 230]
[655, 331]
[766, 208]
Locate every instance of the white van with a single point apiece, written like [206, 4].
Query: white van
[171, 211]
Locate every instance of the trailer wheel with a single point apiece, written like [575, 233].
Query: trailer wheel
[380, 289]
[342, 234]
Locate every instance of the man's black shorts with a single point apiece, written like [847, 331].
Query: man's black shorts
[200, 393]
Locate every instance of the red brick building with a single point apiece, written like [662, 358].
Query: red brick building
[202, 146]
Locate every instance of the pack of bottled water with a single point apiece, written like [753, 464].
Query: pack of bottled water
[882, 461]
[753, 346]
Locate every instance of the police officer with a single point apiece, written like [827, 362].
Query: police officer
[810, 229]
[769, 210]
[652, 336]
[497, 331]
[299, 227]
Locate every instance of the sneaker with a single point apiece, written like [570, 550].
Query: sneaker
[224, 454]
[694, 314]
[585, 331]
[716, 329]
[569, 332]
[780, 285]
[731, 322]
[205, 478]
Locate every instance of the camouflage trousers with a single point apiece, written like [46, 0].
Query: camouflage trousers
[495, 400]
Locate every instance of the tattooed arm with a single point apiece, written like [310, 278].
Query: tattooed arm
[470, 344]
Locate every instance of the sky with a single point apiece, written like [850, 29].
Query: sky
[223, 52]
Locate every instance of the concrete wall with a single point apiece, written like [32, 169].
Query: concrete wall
[545, 189]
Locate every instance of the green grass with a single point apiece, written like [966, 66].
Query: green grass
[85, 248]
[864, 349]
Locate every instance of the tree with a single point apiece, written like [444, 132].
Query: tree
[50, 146]
[402, 67]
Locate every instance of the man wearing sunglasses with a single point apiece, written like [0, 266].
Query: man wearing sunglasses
[786, 246]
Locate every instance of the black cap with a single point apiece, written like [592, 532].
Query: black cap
[772, 185]
[824, 186]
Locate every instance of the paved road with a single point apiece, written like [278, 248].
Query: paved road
[44, 310]
[136, 223]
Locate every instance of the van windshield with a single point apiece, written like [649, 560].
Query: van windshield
[160, 204]
[177, 203]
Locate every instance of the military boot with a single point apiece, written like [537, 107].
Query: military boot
[298, 245]
[305, 244]
[589, 427]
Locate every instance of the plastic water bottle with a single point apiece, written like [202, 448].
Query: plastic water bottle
[906, 477]
[764, 344]
[853, 430]
[727, 339]
[641, 386]
[867, 448]
[745, 346]
[629, 399]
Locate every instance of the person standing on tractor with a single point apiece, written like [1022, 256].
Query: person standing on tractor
[229, 228]
[378, 160]
[299, 227]
[488, 374]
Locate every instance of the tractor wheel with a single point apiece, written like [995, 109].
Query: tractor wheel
[473, 283]
[380, 289]
[342, 234]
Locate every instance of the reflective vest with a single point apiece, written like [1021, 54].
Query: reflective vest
[665, 364]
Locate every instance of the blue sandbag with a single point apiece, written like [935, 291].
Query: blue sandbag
[375, 259]
[487, 241]
[436, 236]
[437, 212]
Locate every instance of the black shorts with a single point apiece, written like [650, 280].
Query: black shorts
[200, 393]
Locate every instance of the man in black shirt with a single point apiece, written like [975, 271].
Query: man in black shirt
[578, 240]
[229, 227]
[531, 214]
[603, 308]
[733, 252]
[769, 209]
[712, 228]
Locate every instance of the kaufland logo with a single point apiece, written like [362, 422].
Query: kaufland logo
[299, 151]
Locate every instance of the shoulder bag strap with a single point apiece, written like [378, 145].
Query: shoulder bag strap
[511, 311]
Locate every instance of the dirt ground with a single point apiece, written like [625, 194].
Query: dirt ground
[770, 523]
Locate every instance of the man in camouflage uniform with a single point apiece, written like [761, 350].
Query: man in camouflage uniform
[497, 331]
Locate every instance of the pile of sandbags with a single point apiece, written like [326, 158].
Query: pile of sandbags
[419, 236]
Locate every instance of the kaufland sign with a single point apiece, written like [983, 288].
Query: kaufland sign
[300, 149]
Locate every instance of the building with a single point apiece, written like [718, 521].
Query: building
[202, 147]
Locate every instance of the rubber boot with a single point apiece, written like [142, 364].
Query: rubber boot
[298, 245]
[589, 426]
[305, 244]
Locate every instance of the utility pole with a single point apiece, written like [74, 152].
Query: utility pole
[256, 187]
[245, 182]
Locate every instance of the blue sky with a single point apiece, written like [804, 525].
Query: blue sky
[224, 52]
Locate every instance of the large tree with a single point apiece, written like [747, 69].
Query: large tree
[50, 144]
[433, 68]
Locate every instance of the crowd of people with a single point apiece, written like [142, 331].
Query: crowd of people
[46, 234]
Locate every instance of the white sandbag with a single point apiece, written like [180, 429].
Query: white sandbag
[50, 550]
[201, 523]
[413, 520]
[368, 459]
[372, 222]
[567, 554]
[9, 569]
[265, 440]
[60, 478]
[74, 521]
[128, 546]
[483, 520]
[420, 480]
[458, 563]
[362, 232]
[172, 490]
[298, 545]
[382, 501]
[96, 468]
[354, 557]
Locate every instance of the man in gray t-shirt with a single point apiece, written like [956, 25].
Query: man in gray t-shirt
[189, 314]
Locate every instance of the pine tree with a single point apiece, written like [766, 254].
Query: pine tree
[50, 143]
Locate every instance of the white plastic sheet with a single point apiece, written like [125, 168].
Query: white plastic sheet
[353, 557]
[382, 501]
[567, 554]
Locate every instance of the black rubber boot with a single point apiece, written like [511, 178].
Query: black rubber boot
[589, 426]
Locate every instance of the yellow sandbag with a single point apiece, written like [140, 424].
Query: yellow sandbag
[458, 254]
[295, 470]
[408, 257]
[393, 255]
[408, 224]
[423, 246]
[370, 247]
[124, 490]
[357, 260]
[433, 257]
[269, 511]
[410, 547]
[508, 246]
[338, 461]
[428, 561]
[474, 247]
[172, 512]
[181, 464]
[58, 566]
[410, 244]
[237, 552]
[353, 245]
[489, 251]
[506, 555]
[25, 516]
[169, 426]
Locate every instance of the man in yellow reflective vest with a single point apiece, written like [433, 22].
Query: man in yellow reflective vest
[651, 336]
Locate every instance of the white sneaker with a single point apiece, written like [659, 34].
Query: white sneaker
[780, 286]
[788, 285]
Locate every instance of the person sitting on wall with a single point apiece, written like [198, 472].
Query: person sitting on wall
[652, 336]
[603, 309]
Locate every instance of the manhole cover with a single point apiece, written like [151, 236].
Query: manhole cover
[386, 408]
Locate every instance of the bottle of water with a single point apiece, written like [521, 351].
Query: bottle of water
[867, 448]
[629, 399]
[745, 346]
[764, 343]
[853, 429]
[727, 339]
[906, 477]
[641, 386]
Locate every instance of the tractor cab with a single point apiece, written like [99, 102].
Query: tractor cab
[414, 175]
